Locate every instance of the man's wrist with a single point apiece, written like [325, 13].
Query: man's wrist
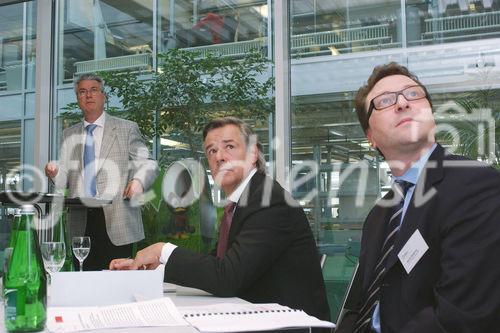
[166, 252]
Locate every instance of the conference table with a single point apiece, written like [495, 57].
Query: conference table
[192, 298]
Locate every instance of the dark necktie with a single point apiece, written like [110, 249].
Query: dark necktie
[225, 225]
[89, 181]
[400, 188]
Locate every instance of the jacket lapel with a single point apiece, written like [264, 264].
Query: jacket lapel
[108, 139]
[78, 135]
[431, 174]
[243, 205]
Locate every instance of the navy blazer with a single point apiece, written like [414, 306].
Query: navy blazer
[454, 287]
[271, 256]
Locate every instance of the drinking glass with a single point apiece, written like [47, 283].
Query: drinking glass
[81, 249]
[53, 255]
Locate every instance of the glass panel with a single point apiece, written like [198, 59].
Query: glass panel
[96, 30]
[11, 44]
[10, 150]
[30, 67]
[230, 28]
[437, 22]
[325, 27]
[181, 107]
[12, 23]
[328, 145]
[325, 131]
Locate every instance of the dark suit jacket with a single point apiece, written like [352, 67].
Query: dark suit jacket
[455, 286]
[271, 257]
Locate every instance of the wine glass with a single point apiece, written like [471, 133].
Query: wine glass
[81, 249]
[53, 254]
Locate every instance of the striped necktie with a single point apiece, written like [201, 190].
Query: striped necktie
[89, 181]
[225, 225]
[400, 188]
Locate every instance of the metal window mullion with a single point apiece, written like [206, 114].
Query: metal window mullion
[43, 85]
[283, 92]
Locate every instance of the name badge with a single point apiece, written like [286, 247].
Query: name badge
[413, 250]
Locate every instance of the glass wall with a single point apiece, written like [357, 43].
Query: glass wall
[17, 46]
[450, 45]
[323, 27]
[239, 25]
[437, 21]
[91, 32]
[10, 150]
[114, 37]
[17, 83]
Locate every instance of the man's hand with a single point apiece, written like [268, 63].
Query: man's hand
[134, 187]
[51, 169]
[148, 258]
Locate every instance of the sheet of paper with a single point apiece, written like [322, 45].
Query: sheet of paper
[105, 287]
[158, 312]
[233, 317]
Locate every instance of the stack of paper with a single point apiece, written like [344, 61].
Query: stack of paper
[236, 317]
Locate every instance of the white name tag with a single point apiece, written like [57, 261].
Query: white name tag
[413, 250]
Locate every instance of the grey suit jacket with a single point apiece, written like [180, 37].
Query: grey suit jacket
[123, 156]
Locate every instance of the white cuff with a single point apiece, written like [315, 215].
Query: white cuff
[166, 252]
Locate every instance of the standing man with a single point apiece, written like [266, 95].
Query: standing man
[103, 156]
[266, 252]
[429, 250]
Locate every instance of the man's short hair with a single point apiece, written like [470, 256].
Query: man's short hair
[246, 132]
[378, 74]
[88, 76]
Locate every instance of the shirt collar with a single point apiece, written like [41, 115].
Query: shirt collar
[235, 196]
[411, 175]
[99, 121]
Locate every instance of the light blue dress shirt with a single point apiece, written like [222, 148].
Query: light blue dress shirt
[411, 175]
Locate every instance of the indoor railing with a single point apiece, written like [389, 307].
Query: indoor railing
[446, 27]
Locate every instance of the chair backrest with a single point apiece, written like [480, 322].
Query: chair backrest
[348, 296]
[322, 260]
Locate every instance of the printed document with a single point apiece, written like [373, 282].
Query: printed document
[157, 312]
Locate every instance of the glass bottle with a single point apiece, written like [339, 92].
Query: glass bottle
[10, 246]
[61, 235]
[25, 283]
[14, 228]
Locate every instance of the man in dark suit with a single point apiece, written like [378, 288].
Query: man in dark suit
[266, 251]
[429, 249]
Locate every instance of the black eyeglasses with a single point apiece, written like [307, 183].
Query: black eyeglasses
[387, 99]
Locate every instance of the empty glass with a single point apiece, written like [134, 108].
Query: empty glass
[53, 255]
[81, 249]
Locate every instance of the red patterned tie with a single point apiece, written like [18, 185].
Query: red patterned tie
[225, 225]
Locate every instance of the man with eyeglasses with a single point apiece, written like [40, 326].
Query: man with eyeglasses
[429, 248]
[103, 156]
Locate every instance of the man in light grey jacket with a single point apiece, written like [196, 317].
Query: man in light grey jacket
[103, 156]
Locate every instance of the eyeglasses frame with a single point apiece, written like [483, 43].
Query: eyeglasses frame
[400, 92]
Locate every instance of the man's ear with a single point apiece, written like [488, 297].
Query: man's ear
[369, 136]
[254, 154]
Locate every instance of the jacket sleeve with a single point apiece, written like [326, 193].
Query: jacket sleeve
[145, 169]
[265, 234]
